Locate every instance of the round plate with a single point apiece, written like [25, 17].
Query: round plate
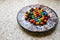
[52, 21]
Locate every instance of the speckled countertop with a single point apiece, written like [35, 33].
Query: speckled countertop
[9, 28]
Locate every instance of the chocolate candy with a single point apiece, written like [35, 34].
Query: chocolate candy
[37, 16]
[26, 18]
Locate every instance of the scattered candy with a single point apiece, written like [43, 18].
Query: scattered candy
[37, 16]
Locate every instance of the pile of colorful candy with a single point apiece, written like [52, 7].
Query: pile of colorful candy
[37, 16]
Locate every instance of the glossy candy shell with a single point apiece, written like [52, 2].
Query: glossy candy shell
[30, 27]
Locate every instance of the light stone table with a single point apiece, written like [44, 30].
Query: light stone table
[9, 28]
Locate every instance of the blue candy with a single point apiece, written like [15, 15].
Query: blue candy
[36, 19]
[45, 13]
[39, 17]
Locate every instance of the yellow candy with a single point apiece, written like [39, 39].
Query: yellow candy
[41, 18]
[39, 11]
[26, 14]
[35, 16]
[37, 23]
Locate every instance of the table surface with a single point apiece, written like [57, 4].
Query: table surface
[10, 29]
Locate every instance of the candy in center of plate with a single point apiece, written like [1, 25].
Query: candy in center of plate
[37, 16]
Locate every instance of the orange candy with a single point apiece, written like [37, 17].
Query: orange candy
[41, 23]
[37, 13]
[31, 20]
[45, 21]
[26, 17]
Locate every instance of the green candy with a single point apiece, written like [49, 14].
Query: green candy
[42, 13]
[40, 20]
[33, 16]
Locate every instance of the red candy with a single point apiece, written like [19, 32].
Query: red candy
[46, 18]
[34, 22]
[37, 14]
